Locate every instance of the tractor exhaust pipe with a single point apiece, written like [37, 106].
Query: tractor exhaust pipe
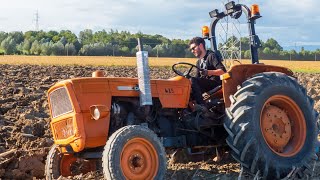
[143, 76]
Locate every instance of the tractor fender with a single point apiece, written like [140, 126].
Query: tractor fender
[237, 74]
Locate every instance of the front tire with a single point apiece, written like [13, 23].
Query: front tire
[272, 126]
[134, 152]
[59, 164]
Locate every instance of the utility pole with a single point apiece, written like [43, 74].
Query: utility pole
[157, 52]
[290, 56]
[37, 20]
[67, 46]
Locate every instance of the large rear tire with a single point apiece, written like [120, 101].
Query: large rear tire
[272, 126]
[59, 164]
[134, 152]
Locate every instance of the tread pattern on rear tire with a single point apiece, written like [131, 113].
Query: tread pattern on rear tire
[242, 128]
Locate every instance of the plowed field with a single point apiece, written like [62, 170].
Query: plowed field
[25, 135]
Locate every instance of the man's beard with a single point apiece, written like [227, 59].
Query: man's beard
[199, 54]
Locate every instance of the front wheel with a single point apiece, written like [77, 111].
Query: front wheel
[272, 126]
[134, 152]
[60, 164]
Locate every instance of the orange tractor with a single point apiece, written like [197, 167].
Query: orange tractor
[126, 124]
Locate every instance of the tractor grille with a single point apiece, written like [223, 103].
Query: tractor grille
[60, 102]
[63, 129]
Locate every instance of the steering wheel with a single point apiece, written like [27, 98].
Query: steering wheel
[186, 73]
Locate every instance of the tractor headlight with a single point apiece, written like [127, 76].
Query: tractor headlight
[96, 114]
[99, 111]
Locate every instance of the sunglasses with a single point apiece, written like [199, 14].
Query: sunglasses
[193, 48]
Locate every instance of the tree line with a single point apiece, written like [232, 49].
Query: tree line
[272, 50]
[89, 43]
[124, 43]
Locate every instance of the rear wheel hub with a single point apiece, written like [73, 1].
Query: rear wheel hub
[277, 127]
[283, 125]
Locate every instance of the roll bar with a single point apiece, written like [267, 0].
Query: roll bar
[235, 11]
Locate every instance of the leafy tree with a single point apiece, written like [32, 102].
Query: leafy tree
[70, 49]
[35, 48]
[148, 48]
[245, 43]
[8, 45]
[101, 36]
[84, 51]
[51, 34]
[68, 35]
[44, 40]
[26, 46]
[58, 49]
[77, 45]
[130, 42]
[17, 36]
[302, 51]
[19, 49]
[40, 35]
[124, 51]
[285, 55]
[275, 52]
[178, 48]
[111, 50]
[188, 54]
[267, 51]
[114, 42]
[272, 44]
[156, 50]
[47, 48]
[63, 40]
[247, 54]
[29, 34]
[3, 36]
[98, 49]
[86, 36]
[56, 38]
[162, 49]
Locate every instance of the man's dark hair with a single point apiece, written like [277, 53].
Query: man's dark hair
[197, 41]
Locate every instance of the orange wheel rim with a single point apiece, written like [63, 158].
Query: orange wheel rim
[139, 159]
[283, 125]
[65, 164]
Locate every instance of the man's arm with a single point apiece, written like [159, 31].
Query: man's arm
[220, 69]
[216, 72]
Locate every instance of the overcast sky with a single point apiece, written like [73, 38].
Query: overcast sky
[290, 22]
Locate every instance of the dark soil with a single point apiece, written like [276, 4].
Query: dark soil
[25, 136]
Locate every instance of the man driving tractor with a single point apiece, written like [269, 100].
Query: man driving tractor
[210, 68]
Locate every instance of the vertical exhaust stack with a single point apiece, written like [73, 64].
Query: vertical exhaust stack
[143, 76]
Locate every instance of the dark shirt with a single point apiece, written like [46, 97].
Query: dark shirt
[212, 63]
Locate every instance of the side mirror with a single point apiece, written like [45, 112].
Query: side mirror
[99, 111]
